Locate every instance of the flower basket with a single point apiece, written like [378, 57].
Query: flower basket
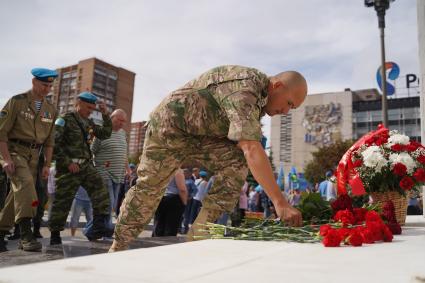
[399, 201]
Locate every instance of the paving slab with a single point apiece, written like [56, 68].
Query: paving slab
[403, 260]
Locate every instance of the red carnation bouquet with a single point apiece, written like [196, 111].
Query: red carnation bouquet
[358, 226]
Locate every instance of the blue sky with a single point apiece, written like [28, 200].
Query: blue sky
[334, 43]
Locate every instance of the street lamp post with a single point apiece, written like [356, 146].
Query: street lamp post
[380, 7]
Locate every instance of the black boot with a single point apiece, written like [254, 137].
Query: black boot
[28, 242]
[36, 233]
[3, 243]
[55, 238]
[99, 229]
[16, 234]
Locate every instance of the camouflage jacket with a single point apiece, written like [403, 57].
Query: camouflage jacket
[226, 101]
[71, 143]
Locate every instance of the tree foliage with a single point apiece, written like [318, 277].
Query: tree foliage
[324, 159]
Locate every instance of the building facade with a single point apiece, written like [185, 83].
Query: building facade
[326, 117]
[137, 138]
[112, 84]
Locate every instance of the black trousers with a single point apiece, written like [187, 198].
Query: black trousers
[168, 216]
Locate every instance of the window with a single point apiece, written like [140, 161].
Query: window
[66, 75]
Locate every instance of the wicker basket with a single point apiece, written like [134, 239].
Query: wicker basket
[400, 204]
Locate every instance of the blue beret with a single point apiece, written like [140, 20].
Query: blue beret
[329, 174]
[88, 97]
[131, 165]
[44, 75]
[203, 174]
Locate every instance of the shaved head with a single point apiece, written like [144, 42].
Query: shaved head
[290, 79]
[286, 91]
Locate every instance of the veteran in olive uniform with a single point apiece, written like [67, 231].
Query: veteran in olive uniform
[215, 120]
[26, 125]
[74, 166]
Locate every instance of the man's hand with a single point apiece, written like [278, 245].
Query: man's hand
[9, 167]
[74, 168]
[45, 172]
[290, 215]
[102, 107]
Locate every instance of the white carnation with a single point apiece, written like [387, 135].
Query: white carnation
[373, 158]
[397, 139]
[403, 158]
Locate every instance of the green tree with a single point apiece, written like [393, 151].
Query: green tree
[324, 159]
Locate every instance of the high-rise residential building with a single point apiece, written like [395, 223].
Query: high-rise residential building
[326, 117]
[137, 137]
[112, 84]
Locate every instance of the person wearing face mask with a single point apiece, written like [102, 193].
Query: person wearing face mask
[26, 126]
[215, 120]
[74, 166]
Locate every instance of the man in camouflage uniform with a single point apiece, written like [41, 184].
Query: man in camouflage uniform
[26, 125]
[214, 119]
[74, 166]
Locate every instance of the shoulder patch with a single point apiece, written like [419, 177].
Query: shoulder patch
[19, 96]
[4, 113]
[60, 122]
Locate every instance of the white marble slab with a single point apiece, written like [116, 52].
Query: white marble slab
[242, 261]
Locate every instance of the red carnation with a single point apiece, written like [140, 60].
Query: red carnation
[332, 239]
[381, 141]
[367, 236]
[373, 216]
[357, 163]
[406, 183]
[386, 233]
[412, 146]
[397, 147]
[341, 203]
[376, 229]
[388, 212]
[35, 203]
[400, 169]
[344, 233]
[324, 229]
[419, 175]
[395, 228]
[355, 238]
[421, 159]
[345, 216]
[359, 215]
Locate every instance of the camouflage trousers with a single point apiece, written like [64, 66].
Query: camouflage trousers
[67, 184]
[162, 156]
[21, 201]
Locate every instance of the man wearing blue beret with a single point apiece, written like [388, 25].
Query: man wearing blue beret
[26, 127]
[74, 166]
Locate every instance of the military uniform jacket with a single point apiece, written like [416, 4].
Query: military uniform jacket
[226, 101]
[19, 120]
[73, 141]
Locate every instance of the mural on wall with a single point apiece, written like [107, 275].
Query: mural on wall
[322, 123]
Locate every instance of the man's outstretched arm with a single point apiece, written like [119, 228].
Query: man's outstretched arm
[261, 169]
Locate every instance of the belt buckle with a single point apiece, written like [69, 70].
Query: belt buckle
[33, 146]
